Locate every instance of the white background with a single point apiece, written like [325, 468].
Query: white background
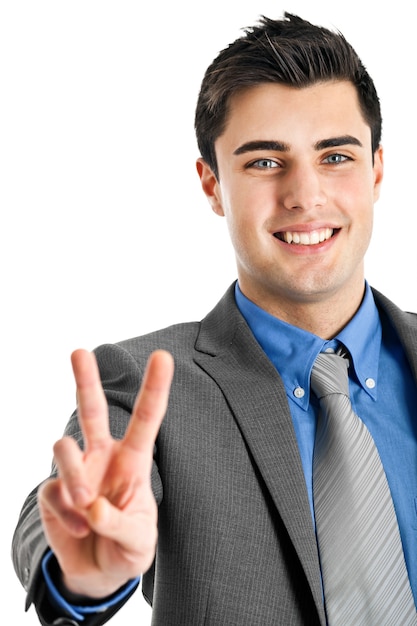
[105, 233]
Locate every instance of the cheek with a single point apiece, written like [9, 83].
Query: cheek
[239, 229]
[237, 212]
[361, 223]
[248, 211]
[356, 200]
[242, 233]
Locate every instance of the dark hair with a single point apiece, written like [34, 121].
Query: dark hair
[290, 51]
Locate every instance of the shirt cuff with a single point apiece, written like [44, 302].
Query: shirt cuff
[80, 611]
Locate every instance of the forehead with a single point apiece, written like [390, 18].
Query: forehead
[275, 111]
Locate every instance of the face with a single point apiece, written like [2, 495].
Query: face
[297, 185]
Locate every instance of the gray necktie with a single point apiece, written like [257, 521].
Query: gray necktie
[364, 573]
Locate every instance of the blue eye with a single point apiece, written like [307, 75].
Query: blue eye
[264, 164]
[336, 158]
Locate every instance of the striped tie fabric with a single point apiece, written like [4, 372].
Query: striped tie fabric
[363, 569]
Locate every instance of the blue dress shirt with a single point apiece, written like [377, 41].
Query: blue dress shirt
[382, 389]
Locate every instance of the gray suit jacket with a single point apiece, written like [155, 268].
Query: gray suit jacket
[236, 541]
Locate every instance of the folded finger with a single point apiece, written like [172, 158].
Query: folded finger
[71, 470]
[134, 534]
[56, 506]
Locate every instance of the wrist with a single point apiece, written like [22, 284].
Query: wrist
[76, 591]
[78, 605]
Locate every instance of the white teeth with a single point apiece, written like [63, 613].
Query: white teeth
[307, 239]
[315, 237]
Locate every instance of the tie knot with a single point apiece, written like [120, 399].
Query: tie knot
[329, 375]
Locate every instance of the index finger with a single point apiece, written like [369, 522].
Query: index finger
[92, 404]
[151, 403]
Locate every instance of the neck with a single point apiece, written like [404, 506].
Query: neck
[322, 317]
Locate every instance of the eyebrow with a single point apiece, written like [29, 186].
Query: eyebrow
[251, 146]
[281, 146]
[344, 140]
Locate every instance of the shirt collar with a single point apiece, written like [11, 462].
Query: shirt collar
[293, 350]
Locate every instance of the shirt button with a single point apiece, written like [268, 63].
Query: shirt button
[299, 392]
[370, 383]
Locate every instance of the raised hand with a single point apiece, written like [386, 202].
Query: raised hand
[99, 515]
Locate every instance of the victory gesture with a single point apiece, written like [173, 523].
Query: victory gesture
[100, 515]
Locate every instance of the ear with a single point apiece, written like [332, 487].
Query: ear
[210, 186]
[378, 171]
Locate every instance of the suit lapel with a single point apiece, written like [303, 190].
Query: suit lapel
[228, 352]
[406, 326]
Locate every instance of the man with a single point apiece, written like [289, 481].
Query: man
[204, 487]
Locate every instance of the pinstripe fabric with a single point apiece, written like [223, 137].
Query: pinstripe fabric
[364, 572]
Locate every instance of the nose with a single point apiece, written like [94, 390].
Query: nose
[302, 188]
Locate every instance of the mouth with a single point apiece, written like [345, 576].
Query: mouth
[311, 238]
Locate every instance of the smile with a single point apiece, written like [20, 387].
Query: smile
[306, 238]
